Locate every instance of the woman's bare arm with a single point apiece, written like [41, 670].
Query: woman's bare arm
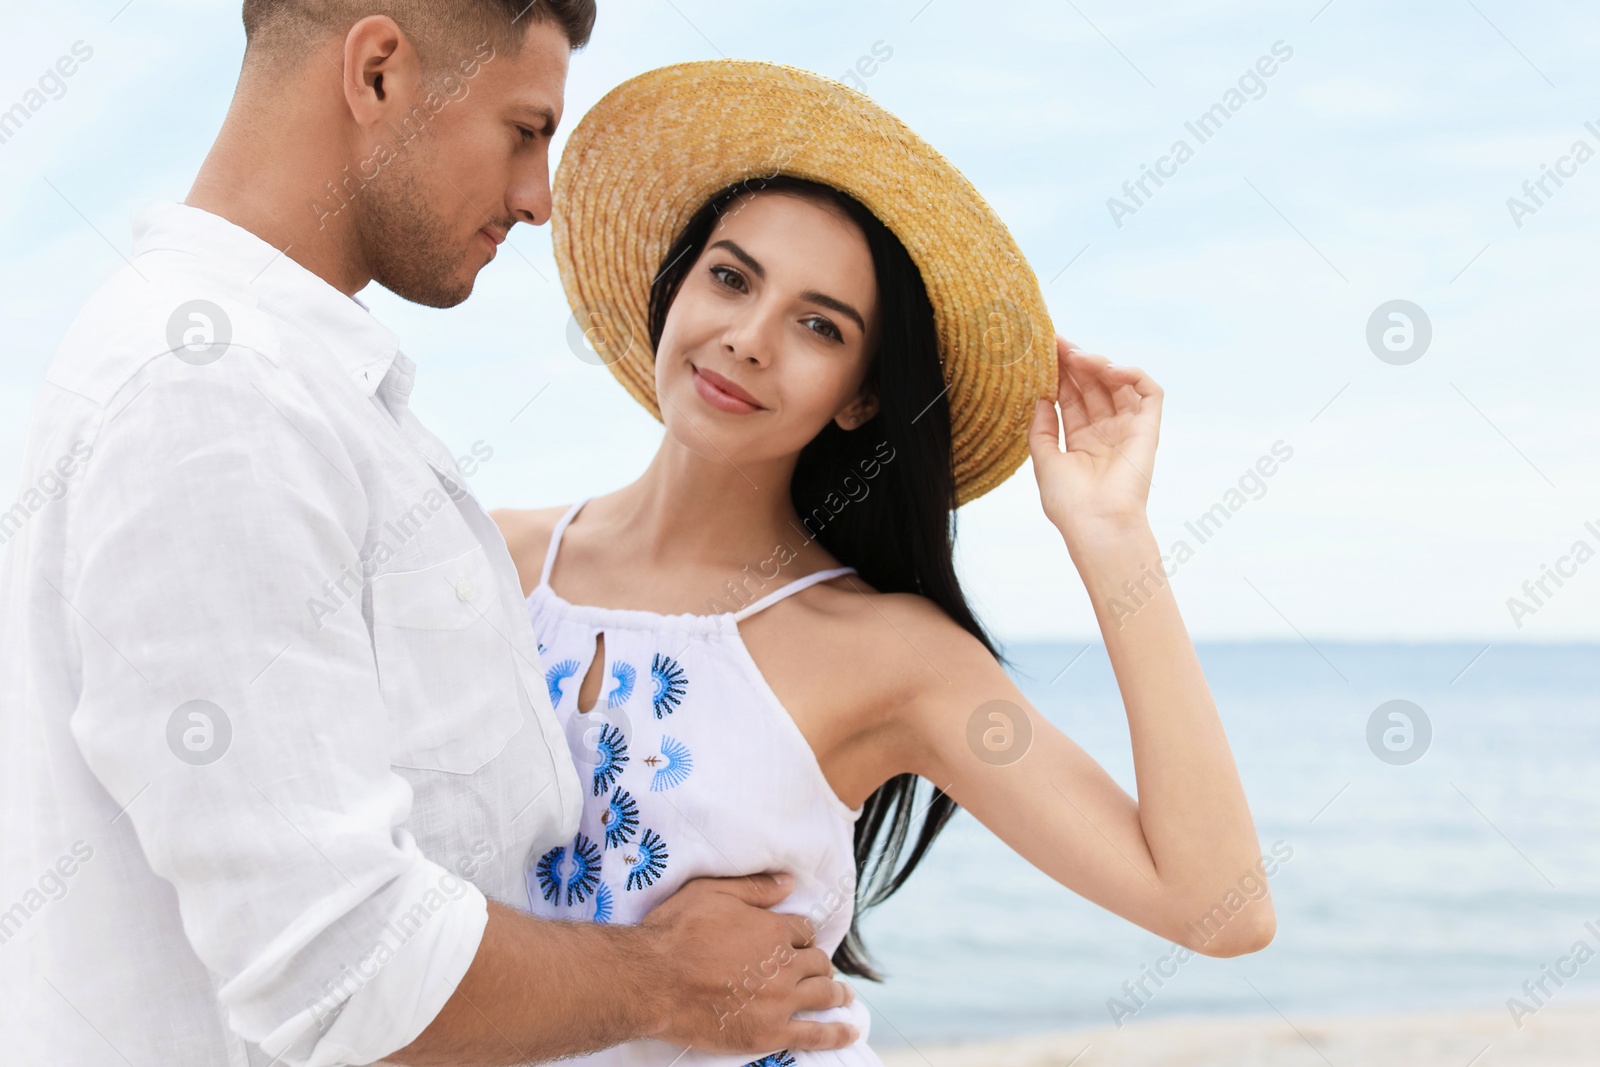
[1187, 847]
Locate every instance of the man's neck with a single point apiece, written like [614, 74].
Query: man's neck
[269, 179]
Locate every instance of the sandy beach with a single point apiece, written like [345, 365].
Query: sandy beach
[1557, 1037]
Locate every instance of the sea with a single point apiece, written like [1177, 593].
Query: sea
[1438, 861]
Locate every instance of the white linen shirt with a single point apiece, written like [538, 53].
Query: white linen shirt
[272, 720]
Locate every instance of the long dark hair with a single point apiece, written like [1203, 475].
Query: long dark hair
[900, 535]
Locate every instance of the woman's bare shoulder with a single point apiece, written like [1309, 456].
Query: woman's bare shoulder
[864, 605]
[904, 638]
[892, 666]
[527, 535]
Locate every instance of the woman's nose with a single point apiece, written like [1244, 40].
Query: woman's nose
[750, 337]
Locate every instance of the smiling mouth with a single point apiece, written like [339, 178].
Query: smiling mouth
[715, 390]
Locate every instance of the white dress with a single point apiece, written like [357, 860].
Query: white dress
[690, 768]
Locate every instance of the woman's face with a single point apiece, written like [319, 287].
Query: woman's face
[780, 308]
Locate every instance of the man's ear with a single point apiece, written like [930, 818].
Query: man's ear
[382, 71]
[859, 410]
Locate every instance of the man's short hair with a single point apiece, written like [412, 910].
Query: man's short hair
[438, 29]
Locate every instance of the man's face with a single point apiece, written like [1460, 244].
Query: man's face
[469, 158]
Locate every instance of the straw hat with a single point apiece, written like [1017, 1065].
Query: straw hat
[657, 147]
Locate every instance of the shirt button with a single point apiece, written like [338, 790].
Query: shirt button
[465, 590]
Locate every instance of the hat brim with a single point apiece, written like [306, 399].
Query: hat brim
[656, 148]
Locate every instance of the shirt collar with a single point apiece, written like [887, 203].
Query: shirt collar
[364, 347]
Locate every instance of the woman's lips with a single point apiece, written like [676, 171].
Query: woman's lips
[705, 383]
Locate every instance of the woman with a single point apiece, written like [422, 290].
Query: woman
[760, 646]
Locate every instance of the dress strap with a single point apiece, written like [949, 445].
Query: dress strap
[790, 590]
[555, 540]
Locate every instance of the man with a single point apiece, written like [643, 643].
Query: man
[276, 745]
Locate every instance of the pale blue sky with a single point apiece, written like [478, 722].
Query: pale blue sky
[1376, 166]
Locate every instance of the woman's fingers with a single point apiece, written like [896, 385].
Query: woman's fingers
[1087, 375]
[1074, 409]
[1044, 435]
[1102, 388]
[1128, 388]
[1084, 371]
[1139, 393]
[1135, 378]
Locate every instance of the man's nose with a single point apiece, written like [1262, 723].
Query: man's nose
[529, 198]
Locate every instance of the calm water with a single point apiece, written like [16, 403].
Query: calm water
[1399, 896]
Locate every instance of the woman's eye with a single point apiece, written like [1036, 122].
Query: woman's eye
[527, 134]
[828, 329]
[723, 274]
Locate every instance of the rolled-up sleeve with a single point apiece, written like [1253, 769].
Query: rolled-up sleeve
[242, 731]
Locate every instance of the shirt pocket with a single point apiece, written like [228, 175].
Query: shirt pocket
[447, 673]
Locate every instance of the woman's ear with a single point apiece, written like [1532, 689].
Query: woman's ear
[860, 410]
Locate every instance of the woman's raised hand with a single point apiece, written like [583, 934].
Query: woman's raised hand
[1112, 419]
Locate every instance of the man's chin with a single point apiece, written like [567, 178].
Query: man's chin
[430, 293]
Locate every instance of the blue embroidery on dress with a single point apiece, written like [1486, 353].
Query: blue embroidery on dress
[626, 675]
[585, 874]
[579, 882]
[670, 684]
[611, 752]
[777, 1059]
[558, 674]
[548, 873]
[621, 818]
[602, 904]
[678, 764]
[647, 866]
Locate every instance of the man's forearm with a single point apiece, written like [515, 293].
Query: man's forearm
[539, 990]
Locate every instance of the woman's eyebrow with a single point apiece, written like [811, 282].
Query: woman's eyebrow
[810, 295]
[837, 305]
[743, 257]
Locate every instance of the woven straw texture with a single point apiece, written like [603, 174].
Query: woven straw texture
[657, 147]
